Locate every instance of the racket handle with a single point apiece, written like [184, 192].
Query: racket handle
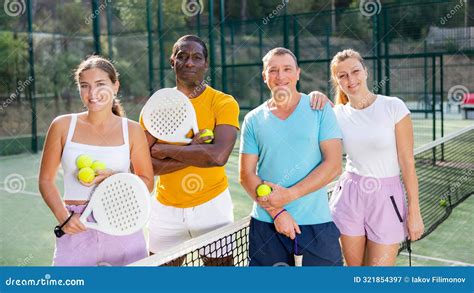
[84, 221]
[298, 260]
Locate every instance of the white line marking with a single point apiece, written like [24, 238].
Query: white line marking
[455, 262]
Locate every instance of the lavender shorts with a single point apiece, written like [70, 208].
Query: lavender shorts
[94, 248]
[372, 207]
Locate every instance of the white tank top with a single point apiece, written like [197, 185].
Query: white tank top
[369, 138]
[116, 158]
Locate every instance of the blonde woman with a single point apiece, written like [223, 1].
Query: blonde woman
[368, 203]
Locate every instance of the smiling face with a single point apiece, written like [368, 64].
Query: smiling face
[189, 63]
[97, 90]
[281, 74]
[351, 76]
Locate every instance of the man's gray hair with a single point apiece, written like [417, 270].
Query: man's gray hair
[278, 51]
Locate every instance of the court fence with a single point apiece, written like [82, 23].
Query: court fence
[418, 51]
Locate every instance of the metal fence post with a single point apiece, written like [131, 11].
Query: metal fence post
[378, 50]
[286, 32]
[328, 64]
[96, 27]
[223, 61]
[296, 44]
[198, 20]
[151, 68]
[160, 44]
[32, 91]
[441, 90]
[386, 35]
[210, 30]
[108, 11]
[425, 77]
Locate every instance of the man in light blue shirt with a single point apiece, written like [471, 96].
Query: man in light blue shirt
[297, 152]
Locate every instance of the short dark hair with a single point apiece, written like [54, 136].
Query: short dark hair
[190, 38]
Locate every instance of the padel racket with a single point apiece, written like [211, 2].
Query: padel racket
[297, 255]
[120, 205]
[168, 115]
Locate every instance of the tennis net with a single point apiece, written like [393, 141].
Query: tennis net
[445, 170]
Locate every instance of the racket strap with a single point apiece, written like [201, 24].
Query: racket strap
[409, 251]
[279, 213]
[58, 230]
[296, 246]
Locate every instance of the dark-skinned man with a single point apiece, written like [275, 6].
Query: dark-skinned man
[192, 191]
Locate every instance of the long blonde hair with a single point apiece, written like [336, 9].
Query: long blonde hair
[341, 97]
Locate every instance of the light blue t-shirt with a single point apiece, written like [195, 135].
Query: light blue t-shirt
[288, 150]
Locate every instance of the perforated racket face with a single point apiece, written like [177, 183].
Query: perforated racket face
[121, 204]
[169, 115]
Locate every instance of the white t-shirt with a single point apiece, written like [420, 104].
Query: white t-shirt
[369, 136]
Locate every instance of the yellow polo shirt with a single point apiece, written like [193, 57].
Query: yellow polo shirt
[192, 186]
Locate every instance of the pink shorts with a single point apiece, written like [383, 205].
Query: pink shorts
[94, 248]
[372, 207]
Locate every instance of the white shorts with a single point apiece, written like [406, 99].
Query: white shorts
[170, 226]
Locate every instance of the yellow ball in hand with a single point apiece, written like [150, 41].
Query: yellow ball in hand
[207, 132]
[83, 161]
[263, 190]
[86, 175]
[98, 165]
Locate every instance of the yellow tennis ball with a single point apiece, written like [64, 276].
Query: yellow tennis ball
[98, 165]
[263, 190]
[86, 174]
[443, 202]
[207, 132]
[83, 161]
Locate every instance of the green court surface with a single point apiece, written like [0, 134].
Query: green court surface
[450, 244]
[27, 224]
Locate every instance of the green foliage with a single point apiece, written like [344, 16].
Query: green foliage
[56, 55]
[354, 24]
[71, 18]
[13, 53]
